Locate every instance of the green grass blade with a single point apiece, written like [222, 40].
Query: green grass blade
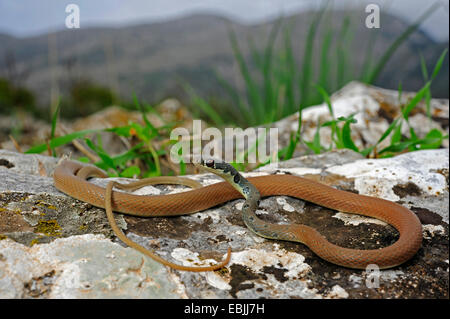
[144, 116]
[400, 92]
[132, 153]
[432, 141]
[130, 172]
[204, 106]
[54, 120]
[388, 131]
[342, 53]
[255, 54]
[307, 65]
[415, 100]
[326, 99]
[438, 65]
[289, 75]
[347, 137]
[290, 148]
[413, 134]
[427, 97]
[293, 140]
[365, 152]
[324, 72]
[334, 129]
[106, 159]
[182, 165]
[253, 95]
[315, 145]
[59, 141]
[398, 147]
[368, 60]
[397, 42]
[397, 135]
[423, 67]
[238, 108]
[269, 94]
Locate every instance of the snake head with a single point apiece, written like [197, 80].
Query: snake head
[220, 168]
[208, 163]
[231, 175]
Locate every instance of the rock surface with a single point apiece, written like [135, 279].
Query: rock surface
[53, 246]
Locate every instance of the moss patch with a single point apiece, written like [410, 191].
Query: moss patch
[48, 227]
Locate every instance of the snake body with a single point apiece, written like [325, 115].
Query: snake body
[67, 180]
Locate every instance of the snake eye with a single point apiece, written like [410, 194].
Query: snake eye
[209, 163]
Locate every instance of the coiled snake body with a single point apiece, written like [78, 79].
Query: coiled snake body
[70, 178]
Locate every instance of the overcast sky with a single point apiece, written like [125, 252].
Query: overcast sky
[30, 17]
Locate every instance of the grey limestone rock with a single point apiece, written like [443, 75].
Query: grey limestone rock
[53, 246]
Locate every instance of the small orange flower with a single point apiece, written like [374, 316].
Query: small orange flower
[132, 131]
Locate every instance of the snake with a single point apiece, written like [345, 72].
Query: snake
[71, 178]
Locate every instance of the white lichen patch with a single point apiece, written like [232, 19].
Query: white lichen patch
[209, 179]
[282, 201]
[377, 177]
[147, 190]
[189, 258]
[429, 231]
[380, 276]
[390, 275]
[239, 206]
[355, 220]
[174, 189]
[256, 259]
[337, 292]
[356, 280]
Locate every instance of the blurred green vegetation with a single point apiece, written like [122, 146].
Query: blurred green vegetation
[15, 97]
[85, 98]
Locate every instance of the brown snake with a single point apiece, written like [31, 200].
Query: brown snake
[70, 178]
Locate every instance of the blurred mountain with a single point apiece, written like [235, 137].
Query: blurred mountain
[153, 60]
